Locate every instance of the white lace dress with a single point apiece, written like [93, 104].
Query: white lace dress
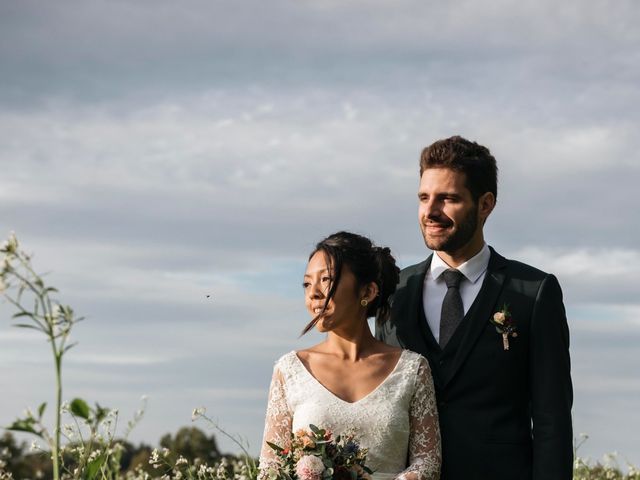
[397, 422]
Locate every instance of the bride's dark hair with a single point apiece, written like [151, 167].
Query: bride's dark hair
[367, 262]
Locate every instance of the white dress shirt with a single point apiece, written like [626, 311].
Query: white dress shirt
[435, 287]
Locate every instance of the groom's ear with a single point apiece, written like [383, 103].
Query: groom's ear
[486, 203]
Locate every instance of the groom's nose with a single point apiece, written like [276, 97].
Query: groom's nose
[432, 210]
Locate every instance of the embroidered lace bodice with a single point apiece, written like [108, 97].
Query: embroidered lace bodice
[397, 421]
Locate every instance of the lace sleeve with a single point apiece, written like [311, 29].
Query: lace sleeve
[277, 427]
[425, 454]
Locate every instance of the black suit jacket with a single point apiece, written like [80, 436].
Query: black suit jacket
[504, 414]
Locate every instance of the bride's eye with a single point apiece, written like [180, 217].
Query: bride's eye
[305, 285]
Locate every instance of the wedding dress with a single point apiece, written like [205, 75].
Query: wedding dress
[397, 421]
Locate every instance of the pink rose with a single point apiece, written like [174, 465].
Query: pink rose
[309, 467]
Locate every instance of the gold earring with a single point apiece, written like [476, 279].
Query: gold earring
[364, 302]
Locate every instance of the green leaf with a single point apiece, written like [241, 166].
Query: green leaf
[50, 289]
[22, 314]
[277, 448]
[101, 412]
[41, 408]
[94, 466]
[69, 347]
[79, 408]
[24, 426]
[314, 429]
[26, 325]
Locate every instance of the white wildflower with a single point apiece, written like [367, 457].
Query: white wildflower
[64, 408]
[11, 244]
[68, 430]
[221, 472]
[165, 452]
[34, 446]
[155, 458]
[2, 464]
[6, 264]
[182, 461]
[94, 455]
[197, 413]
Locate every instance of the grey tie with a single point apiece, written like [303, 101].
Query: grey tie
[452, 309]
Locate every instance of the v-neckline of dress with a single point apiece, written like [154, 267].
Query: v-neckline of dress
[321, 385]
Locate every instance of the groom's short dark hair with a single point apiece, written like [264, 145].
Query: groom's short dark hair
[462, 155]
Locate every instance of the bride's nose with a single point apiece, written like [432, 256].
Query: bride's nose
[315, 290]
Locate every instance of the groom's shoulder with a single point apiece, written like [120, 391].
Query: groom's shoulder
[416, 269]
[516, 267]
[525, 271]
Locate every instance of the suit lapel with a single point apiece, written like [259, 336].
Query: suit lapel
[481, 310]
[414, 331]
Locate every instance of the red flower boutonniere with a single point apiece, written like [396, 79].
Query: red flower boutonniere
[504, 325]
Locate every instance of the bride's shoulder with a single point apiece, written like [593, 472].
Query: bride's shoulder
[285, 360]
[414, 358]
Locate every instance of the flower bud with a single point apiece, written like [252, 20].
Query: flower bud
[499, 317]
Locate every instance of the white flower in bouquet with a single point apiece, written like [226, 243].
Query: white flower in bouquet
[310, 467]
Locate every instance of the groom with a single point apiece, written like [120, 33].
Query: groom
[494, 330]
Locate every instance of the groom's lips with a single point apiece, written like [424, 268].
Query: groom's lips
[437, 226]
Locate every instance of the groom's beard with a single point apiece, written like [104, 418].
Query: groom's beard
[458, 238]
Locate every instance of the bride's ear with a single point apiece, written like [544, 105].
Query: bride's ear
[369, 292]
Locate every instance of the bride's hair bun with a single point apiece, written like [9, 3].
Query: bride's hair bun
[367, 262]
[388, 276]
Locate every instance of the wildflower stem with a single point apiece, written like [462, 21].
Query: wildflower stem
[56, 444]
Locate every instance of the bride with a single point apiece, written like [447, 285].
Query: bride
[351, 381]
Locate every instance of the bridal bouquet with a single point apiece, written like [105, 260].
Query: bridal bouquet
[315, 455]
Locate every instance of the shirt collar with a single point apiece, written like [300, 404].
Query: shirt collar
[472, 269]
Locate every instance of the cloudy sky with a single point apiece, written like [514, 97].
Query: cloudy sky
[156, 152]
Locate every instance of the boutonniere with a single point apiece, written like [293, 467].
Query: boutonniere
[504, 325]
